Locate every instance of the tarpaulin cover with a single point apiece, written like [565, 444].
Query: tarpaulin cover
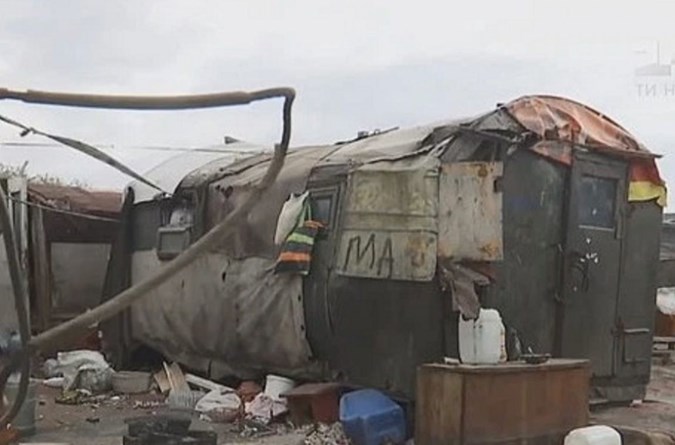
[239, 312]
[558, 119]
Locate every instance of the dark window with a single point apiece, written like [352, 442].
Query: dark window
[597, 202]
[321, 207]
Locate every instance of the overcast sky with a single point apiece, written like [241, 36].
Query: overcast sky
[356, 65]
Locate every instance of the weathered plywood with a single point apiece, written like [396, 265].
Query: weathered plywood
[389, 229]
[470, 211]
[78, 272]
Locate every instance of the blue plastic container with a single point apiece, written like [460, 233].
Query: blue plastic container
[371, 418]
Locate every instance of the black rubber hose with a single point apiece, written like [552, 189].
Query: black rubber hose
[20, 359]
[214, 237]
[126, 298]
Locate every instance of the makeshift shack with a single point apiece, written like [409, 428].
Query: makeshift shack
[64, 234]
[543, 208]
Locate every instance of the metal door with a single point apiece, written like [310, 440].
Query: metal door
[318, 317]
[597, 196]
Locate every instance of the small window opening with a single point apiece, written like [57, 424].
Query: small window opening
[597, 202]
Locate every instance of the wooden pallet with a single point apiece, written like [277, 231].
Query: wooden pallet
[667, 343]
[663, 350]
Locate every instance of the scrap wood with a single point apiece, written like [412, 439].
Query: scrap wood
[176, 378]
[162, 381]
[206, 384]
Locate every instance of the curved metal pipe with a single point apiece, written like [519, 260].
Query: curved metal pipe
[124, 299]
[124, 102]
[21, 359]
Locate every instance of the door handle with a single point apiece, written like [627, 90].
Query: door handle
[579, 262]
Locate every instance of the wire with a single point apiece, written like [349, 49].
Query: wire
[82, 147]
[65, 212]
[242, 151]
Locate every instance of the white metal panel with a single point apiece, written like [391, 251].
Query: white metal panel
[390, 228]
[470, 211]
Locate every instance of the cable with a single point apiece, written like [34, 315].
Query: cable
[214, 149]
[82, 147]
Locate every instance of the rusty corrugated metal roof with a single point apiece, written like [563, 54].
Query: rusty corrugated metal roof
[77, 199]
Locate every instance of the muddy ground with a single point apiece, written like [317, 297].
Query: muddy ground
[102, 421]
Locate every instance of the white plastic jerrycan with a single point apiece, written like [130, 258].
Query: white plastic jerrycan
[593, 435]
[482, 341]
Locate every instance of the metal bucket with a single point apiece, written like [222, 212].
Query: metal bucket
[24, 422]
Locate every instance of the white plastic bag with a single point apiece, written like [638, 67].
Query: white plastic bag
[288, 218]
[73, 365]
[220, 405]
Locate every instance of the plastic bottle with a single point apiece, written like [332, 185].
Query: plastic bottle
[482, 341]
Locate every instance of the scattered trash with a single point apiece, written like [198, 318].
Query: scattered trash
[147, 404]
[54, 382]
[205, 384]
[248, 390]
[371, 418]
[162, 381]
[166, 429]
[313, 403]
[131, 382]
[184, 399]
[177, 381]
[264, 409]
[325, 434]
[250, 428]
[70, 397]
[84, 369]
[276, 385]
[50, 368]
[221, 406]
[636, 403]
[167, 423]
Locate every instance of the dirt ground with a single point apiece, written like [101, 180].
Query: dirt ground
[656, 413]
[102, 421]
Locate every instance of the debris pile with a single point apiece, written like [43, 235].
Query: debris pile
[324, 434]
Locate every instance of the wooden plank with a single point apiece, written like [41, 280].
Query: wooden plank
[162, 381]
[206, 384]
[41, 269]
[664, 339]
[176, 378]
[438, 407]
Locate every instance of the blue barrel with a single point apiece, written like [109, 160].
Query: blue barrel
[371, 418]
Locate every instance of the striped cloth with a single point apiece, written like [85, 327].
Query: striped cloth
[296, 252]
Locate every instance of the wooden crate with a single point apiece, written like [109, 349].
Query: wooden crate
[506, 403]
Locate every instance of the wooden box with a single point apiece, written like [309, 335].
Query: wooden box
[507, 403]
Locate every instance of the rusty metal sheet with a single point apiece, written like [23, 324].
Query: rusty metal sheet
[390, 223]
[470, 211]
